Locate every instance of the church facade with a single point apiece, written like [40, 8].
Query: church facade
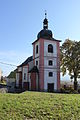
[41, 72]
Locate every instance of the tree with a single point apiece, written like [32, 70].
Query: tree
[12, 74]
[70, 59]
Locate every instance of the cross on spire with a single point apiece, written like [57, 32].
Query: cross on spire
[45, 22]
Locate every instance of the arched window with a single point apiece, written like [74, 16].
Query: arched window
[50, 48]
[36, 49]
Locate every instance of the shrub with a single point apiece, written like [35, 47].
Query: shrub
[68, 90]
[79, 90]
[62, 90]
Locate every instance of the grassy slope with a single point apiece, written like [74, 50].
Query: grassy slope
[39, 106]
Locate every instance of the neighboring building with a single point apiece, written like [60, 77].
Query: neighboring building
[10, 81]
[41, 71]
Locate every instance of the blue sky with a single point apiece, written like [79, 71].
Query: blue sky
[21, 20]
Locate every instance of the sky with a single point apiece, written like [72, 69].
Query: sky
[21, 20]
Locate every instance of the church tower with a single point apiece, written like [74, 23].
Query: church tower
[46, 57]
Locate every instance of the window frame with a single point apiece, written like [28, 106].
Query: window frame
[36, 49]
[50, 74]
[24, 76]
[50, 63]
[50, 48]
[36, 62]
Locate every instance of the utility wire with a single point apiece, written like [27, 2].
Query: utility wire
[8, 64]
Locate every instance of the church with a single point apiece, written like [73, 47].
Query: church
[41, 72]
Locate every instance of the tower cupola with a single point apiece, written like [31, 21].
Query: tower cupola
[45, 32]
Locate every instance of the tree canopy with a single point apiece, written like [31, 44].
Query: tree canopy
[70, 59]
[12, 74]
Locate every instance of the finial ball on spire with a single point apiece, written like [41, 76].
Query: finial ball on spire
[45, 14]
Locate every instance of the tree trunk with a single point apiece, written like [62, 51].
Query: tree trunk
[75, 85]
[75, 82]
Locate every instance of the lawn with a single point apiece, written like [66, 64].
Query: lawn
[39, 106]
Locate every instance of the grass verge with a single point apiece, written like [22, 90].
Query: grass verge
[39, 106]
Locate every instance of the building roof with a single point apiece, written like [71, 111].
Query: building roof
[53, 39]
[45, 33]
[34, 69]
[29, 59]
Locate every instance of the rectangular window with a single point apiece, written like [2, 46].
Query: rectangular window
[36, 49]
[24, 76]
[50, 62]
[50, 48]
[50, 74]
[36, 62]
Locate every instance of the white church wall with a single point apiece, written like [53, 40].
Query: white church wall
[17, 79]
[25, 74]
[37, 54]
[37, 60]
[46, 43]
[29, 81]
[48, 79]
[50, 68]
[46, 62]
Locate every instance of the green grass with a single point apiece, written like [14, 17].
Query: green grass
[39, 106]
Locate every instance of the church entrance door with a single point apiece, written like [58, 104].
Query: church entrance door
[50, 87]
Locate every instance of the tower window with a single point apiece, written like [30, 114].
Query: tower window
[36, 49]
[36, 62]
[50, 48]
[50, 62]
[50, 74]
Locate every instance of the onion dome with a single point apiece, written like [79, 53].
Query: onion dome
[45, 32]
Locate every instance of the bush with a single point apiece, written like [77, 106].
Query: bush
[62, 90]
[79, 90]
[68, 90]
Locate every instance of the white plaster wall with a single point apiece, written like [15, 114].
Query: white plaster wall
[17, 79]
[29, 81]
[46, 60]
[48, 68]
[37, 43]
[37, 59]
[46, 43]
[47, 57]
[25, 70]
[48, 79]
[36, 81]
